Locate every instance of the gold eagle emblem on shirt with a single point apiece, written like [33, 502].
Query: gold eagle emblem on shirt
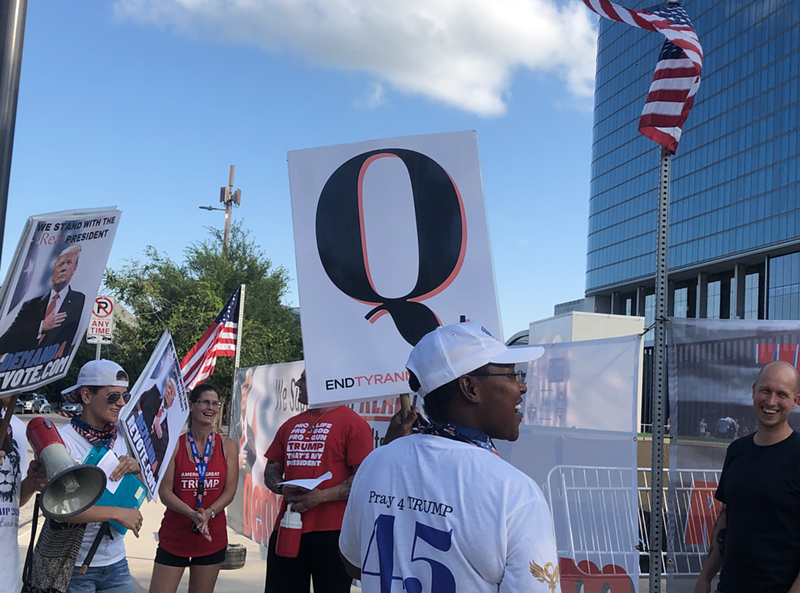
[547, 575]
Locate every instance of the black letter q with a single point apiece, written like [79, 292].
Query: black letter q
[441, 237]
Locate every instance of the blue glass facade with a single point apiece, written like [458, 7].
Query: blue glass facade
[734, 187]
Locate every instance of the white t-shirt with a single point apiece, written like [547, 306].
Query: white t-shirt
[450, 515]
[111, 549]
[13, 470]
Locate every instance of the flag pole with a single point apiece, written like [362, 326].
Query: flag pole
[239, 329]
[659, 375]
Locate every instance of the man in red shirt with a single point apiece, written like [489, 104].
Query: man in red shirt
[314, 442]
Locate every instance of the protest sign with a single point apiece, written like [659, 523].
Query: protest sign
[48, 294]
[265, 397]
[153, 419]
[391, 241]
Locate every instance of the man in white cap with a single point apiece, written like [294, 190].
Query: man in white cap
[102, 388]
[441, 511]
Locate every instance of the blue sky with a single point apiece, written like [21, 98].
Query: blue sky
[145, 104]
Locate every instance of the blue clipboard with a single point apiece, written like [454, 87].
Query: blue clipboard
[130, 494]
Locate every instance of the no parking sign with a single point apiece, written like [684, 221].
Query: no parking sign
[101, 326]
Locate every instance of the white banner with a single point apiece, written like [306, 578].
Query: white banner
[265, 397]
[153, 420]
[713, 364]
[391, 241]
[577, 441]
[47, 297]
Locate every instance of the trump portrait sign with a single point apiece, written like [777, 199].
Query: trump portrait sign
[47, 297]
[391, 242]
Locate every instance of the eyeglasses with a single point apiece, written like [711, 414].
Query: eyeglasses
[208, 402]
[518, 375]
[114, 396]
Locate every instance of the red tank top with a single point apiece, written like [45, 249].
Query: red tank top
[176, 535]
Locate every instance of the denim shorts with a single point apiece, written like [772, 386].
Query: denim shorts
[114, 578]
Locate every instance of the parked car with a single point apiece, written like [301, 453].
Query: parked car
[34, 403]
[19, 407]
[71, 408]
[31, 403]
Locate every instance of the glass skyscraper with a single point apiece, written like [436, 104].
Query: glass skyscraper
[735, 211]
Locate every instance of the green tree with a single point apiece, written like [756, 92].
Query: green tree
[185, 298]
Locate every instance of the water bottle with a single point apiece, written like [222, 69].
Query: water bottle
[289, 534]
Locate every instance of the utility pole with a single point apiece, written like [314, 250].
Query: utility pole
[230, 198]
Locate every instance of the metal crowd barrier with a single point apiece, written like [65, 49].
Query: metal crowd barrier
[599, 518]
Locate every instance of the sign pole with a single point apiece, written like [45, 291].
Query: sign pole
[659, 375]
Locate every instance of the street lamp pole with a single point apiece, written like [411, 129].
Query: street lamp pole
[12, 29]
[12, 32]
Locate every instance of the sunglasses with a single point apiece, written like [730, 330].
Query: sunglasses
[114, 396]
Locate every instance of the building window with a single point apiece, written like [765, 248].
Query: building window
[681, 302]
[649, 316]
[784, 287]
[751, 296]
[714, 295]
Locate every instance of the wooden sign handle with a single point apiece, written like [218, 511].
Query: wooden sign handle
[12, 402]
[405, 406]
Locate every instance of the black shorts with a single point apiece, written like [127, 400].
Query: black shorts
[167, 559]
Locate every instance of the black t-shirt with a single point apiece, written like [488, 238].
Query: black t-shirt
[761, 488]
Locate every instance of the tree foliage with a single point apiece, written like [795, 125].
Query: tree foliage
[185, 298]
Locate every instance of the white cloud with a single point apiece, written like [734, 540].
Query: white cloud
[459, 52]
[375, 97]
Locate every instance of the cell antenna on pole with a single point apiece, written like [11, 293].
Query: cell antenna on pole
[230, 198]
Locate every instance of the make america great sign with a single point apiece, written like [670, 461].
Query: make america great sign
[391, 241]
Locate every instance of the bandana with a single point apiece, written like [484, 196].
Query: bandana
[107, 435]
[457, 432]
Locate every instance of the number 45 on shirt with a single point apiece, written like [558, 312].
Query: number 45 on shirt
[442, 580]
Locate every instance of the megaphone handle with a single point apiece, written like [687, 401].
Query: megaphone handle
[12, 401]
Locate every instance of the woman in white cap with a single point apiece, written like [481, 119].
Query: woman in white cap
[102, 389]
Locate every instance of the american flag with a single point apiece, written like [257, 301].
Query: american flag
[219, 340]
[677, 75]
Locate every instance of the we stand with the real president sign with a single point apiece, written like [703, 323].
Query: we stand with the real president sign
[47, 297]
[391, 241]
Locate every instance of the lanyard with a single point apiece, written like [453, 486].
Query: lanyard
[201, 466]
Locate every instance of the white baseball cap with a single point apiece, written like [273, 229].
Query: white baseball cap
[98, 373]
[448, 352]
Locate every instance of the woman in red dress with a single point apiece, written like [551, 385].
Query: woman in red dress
[199, 483]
